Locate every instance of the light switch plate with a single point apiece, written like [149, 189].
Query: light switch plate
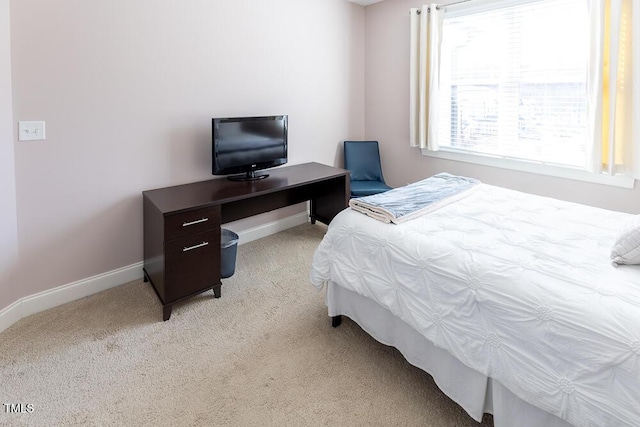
[31, 131]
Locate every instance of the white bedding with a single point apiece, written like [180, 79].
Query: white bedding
[518, 287]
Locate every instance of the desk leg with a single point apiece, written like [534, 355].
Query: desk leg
[312, 211]
[332, 198]
[166, 311]
[217, 290]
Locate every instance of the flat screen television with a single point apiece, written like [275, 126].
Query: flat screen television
[244, 145]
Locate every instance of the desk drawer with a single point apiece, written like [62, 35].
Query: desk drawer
[191, 264]
[191, 222]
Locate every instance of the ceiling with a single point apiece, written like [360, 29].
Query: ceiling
[365, 2]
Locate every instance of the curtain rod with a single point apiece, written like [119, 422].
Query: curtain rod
[447, 5]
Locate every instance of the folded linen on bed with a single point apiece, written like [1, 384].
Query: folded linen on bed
[413, 200]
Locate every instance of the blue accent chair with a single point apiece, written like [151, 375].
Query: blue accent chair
[362, 160]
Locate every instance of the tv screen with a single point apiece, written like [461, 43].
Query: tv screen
[243, 145]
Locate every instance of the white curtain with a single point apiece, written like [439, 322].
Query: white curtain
[426, 34]
[615, 147]
[595, 84]
[635, 90]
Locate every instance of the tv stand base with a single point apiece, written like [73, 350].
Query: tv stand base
[250, 176]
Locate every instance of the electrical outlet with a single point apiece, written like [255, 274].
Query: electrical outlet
[31, 131]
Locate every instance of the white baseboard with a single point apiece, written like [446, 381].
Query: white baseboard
[270, 228]
[66, 293]
[45, 300]
[10, 315]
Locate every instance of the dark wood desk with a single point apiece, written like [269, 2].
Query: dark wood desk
[182, 223]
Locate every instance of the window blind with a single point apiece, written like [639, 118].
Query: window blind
[513, 81]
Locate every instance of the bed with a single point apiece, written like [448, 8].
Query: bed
[509, 300]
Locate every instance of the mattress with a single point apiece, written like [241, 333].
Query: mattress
[517, 287]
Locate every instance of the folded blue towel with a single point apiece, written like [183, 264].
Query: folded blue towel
[413, 200]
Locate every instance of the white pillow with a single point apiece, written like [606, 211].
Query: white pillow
[626, 249]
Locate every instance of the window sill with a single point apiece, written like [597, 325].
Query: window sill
[531, 167]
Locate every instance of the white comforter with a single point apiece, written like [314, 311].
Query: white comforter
[518, 287]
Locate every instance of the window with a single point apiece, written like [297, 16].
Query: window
[526, 82]
[509, 89]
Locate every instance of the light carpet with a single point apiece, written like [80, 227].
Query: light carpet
[264, 354]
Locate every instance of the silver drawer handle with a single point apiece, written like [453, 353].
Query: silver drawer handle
[190, 248]
[186, 224]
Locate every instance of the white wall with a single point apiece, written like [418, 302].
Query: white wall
[387, 120]
[128, 88]
[8, 224]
